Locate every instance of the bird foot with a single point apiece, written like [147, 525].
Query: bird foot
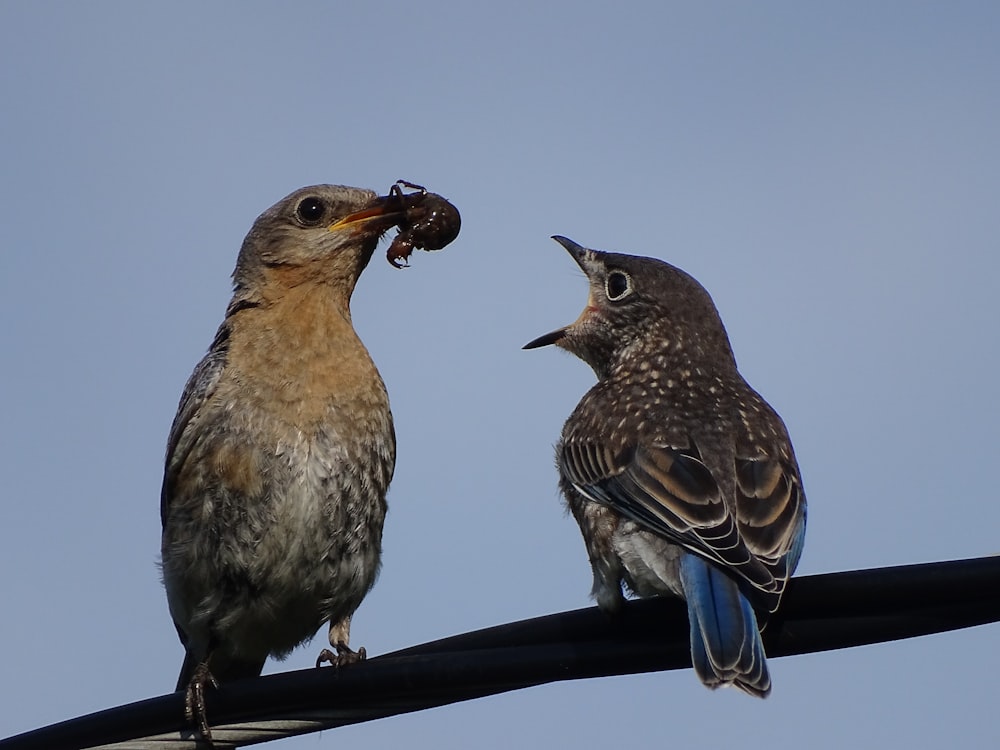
[194, 700]
[344, 656]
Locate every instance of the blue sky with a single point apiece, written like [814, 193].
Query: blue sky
[829, 172]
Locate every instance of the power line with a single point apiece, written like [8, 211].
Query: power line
[818, 613]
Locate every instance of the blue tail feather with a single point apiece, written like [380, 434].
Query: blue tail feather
[725, 641]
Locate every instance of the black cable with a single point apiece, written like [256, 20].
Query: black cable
[818, 613]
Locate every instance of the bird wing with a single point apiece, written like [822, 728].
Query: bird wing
[199, 389]
[771, 513]
[671, 492]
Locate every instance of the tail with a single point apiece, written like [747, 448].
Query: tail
[725, 642]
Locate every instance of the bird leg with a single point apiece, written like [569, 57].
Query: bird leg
[340, 636]
[194, 700]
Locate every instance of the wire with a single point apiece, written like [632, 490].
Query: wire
[818, 613]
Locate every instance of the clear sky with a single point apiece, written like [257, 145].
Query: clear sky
[830, 172]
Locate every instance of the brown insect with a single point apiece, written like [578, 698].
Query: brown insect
[428, 222]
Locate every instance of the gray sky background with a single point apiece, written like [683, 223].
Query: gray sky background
[829, 173]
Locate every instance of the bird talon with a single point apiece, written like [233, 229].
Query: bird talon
[326, 656]
[194, 701]
[344, 656]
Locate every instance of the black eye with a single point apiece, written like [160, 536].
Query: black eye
[618, 285]
[310, 210]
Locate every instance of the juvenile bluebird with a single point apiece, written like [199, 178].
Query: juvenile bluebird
[281, 453]
[681, 477]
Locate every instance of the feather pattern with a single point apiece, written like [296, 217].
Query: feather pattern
[682, 478]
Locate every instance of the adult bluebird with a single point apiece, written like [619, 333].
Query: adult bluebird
[281, 453]
[681, 477]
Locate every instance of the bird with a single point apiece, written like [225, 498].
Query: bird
[281, 453]
[681, 477]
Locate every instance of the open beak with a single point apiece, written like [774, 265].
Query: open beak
[577, 251]
[548, 338]
[385, 212]
[554, 337]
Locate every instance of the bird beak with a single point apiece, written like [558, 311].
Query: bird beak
[578, 252]
[386, 211]
[548, 338]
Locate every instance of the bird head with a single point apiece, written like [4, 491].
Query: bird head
[321, 234]
[637, 307]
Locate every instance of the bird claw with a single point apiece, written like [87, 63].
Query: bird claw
[344, 656]
[194, 701]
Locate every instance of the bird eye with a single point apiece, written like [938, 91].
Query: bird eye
[310, 210]
[618, 285]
